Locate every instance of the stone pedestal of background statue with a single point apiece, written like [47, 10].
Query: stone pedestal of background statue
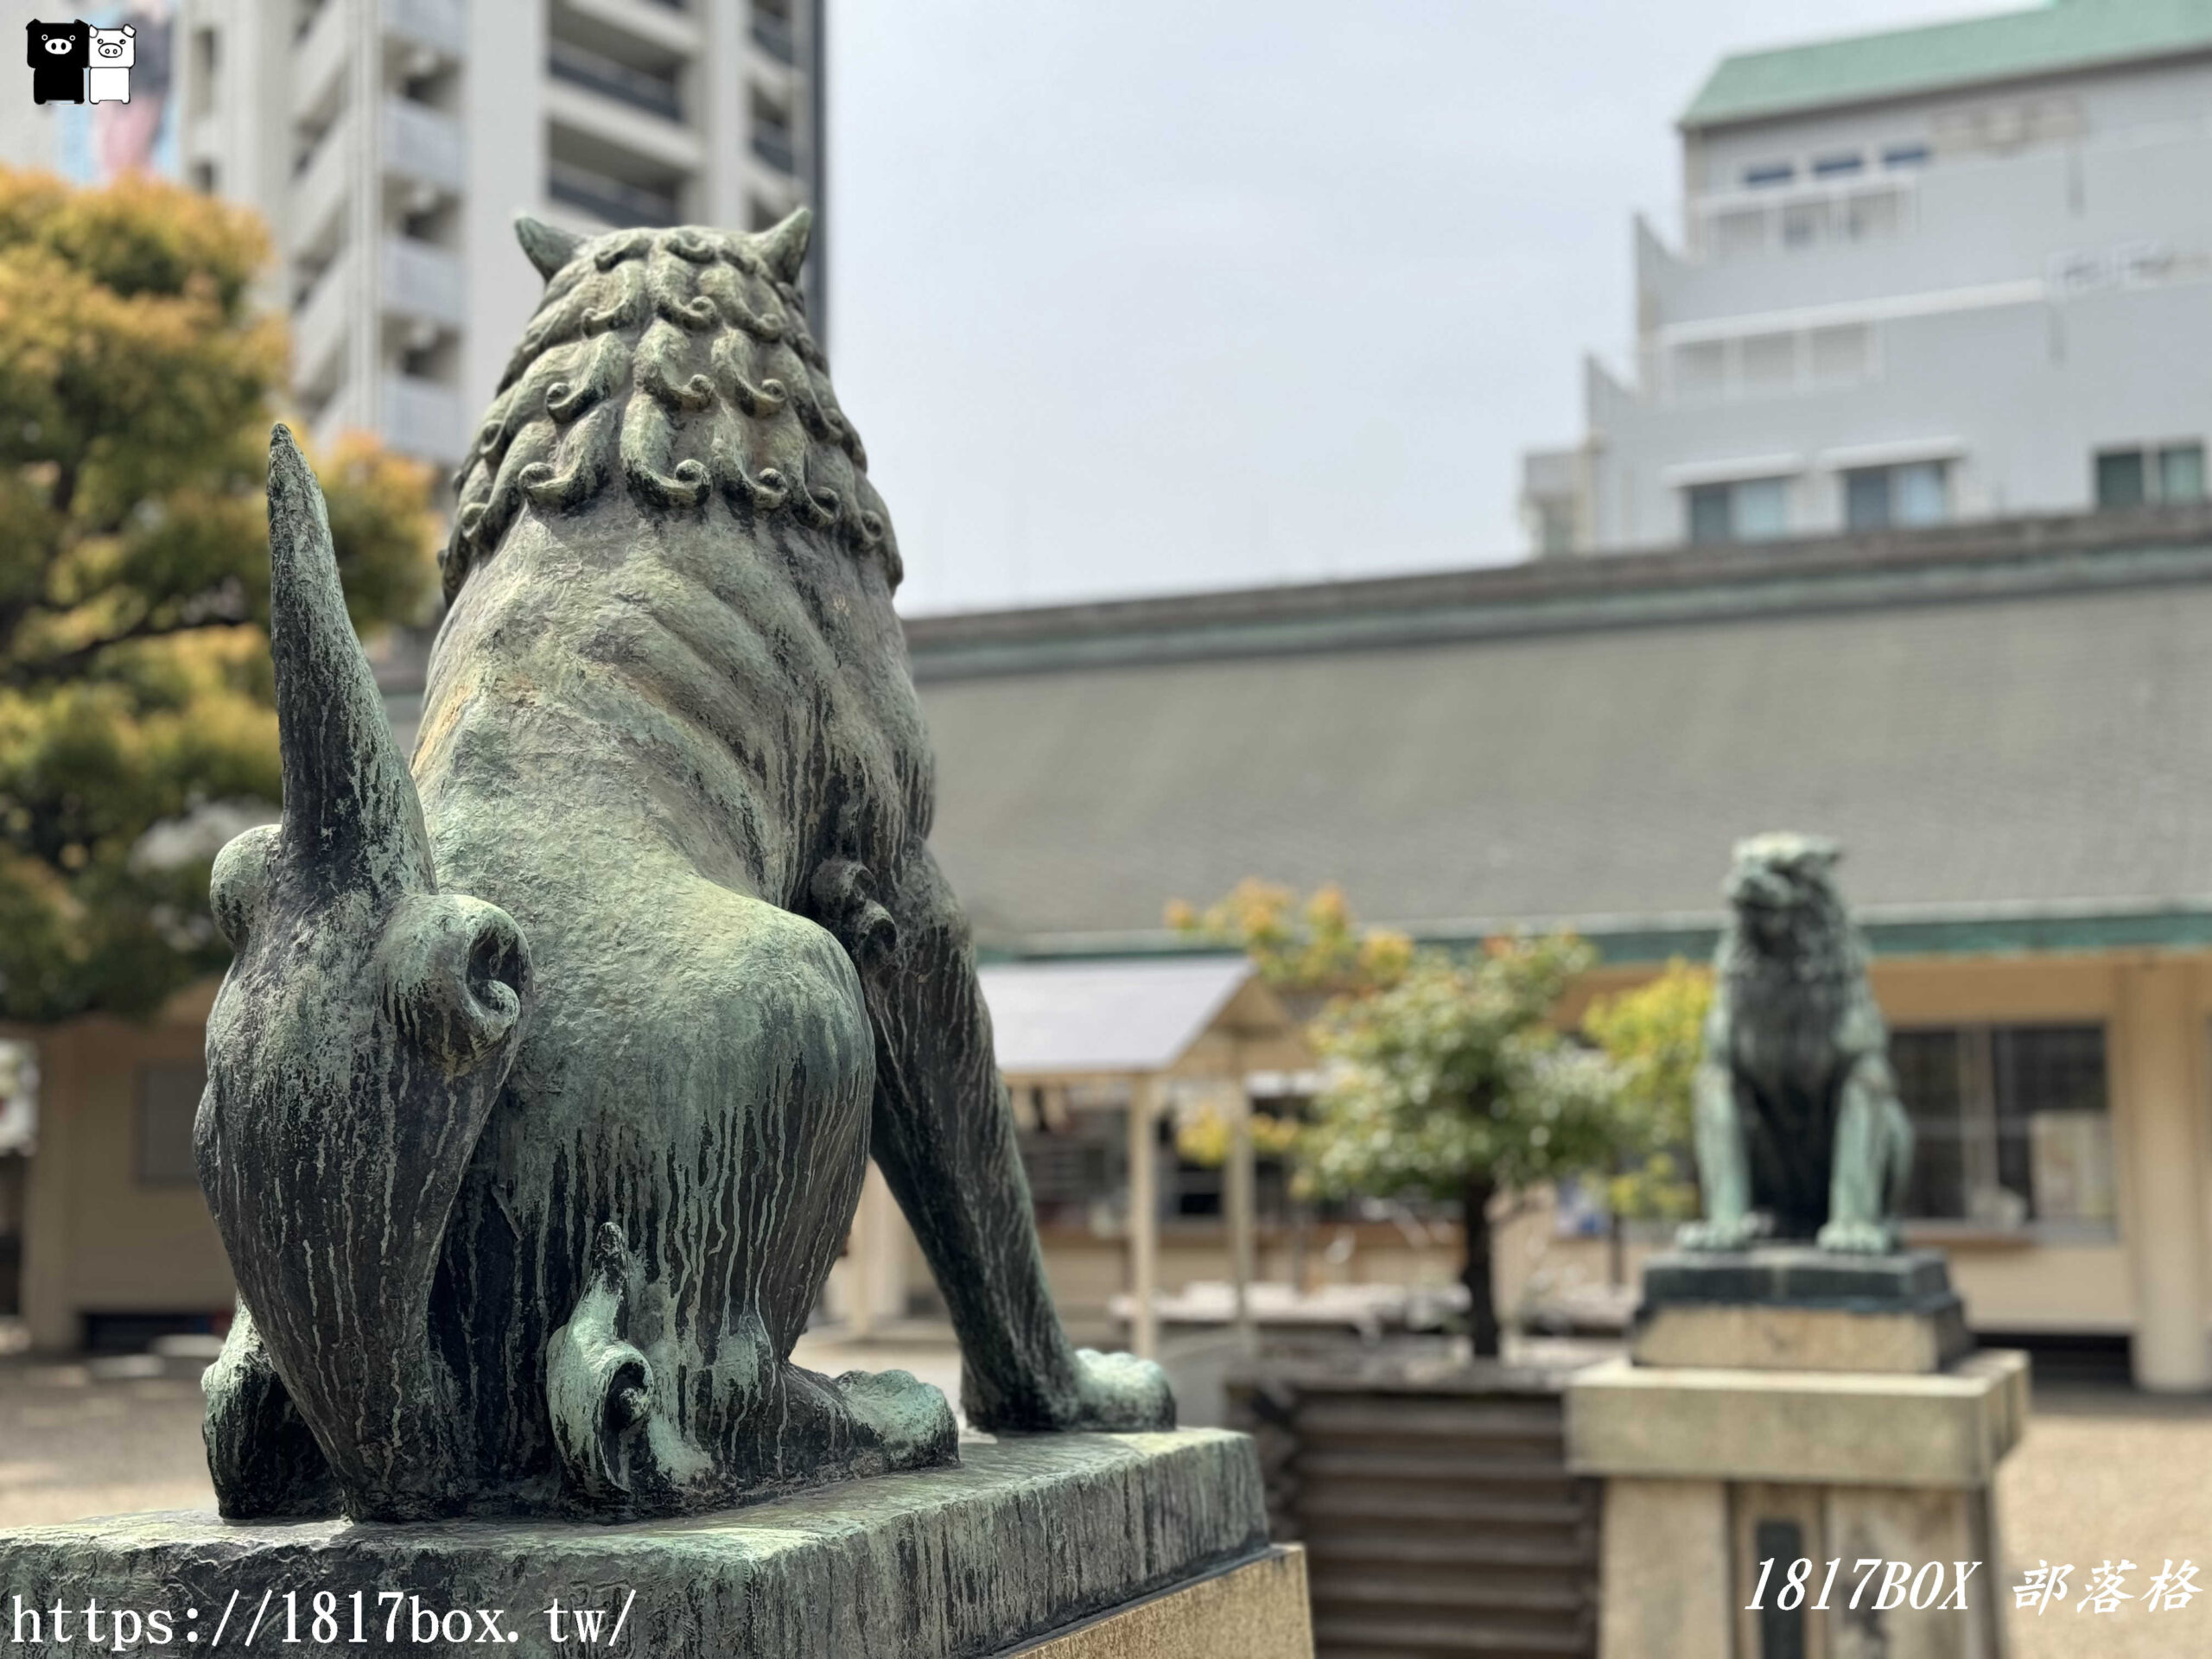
[1067, 1547]
[1784, 1404]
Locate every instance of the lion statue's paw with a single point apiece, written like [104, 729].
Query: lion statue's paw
[1738, 1234]
[1120, 1393]
[1856, 1239]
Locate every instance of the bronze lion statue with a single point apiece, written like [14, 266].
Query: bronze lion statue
[543, 1084]
[1799, 1130]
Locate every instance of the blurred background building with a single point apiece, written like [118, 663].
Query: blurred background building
[390, 142]
[1938, 273]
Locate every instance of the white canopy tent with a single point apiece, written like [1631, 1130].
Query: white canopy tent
[1145, 1023]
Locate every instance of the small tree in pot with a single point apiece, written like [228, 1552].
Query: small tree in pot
[1454, 1083]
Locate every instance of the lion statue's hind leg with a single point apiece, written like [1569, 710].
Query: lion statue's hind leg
[670, 1386]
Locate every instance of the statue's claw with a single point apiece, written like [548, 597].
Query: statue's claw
[1738, 1233]
[1857, 1238]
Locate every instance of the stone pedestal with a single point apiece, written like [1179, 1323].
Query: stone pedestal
[1074, 1546]
[1800, 1309]
[1813, 1409]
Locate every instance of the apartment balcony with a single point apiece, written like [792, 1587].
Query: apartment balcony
[641, 89]
[772, 36]
[424, 418]
[672, 29]
[423, 145]
[424, 282]
[321, 327]
[319, 60]
[314, 216]
[615, 201]
[610, 124]
[441, 25]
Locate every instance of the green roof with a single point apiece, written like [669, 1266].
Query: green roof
[2009, 46]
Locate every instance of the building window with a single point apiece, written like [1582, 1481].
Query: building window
[168, 1100]
[1554, 527]
[772, 133]
[1905, 156]
[2011, 1124]
[2156, 474]
[1836, 167]
[206, 64]
[1769, 173]
[618, 201]
[1877, 498]
[772, 30]
[654, 91]
[1752, 510]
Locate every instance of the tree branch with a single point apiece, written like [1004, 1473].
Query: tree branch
[24, 676]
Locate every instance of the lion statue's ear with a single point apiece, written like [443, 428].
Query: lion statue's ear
[1821, 853]
[784, 245]
[548, 246]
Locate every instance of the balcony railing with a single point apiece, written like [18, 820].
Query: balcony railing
[422, 418]
[594, 72]
[420, 142]
[442, 24]
[773, 146]
[424, 281]
[615, 200]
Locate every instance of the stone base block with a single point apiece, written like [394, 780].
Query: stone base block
[1257, 1610]
[1710, 1473]
[1948, 1429]
[1790, 1307]
[1028, 1537]
[1763, 1336]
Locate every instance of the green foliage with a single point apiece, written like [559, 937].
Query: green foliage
[1456, 1074]
[136, 389]
[1313, 949]
[1655, 1036]
[1309, 951]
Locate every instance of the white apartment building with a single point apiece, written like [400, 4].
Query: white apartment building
[1940, 273]
[390, 144]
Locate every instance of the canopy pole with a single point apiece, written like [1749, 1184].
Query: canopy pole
[1238, 1199]
[1144, 1218]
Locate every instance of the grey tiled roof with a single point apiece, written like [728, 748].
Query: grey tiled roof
[2008, 724]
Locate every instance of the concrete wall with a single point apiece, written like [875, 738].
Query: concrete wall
[97, 1239]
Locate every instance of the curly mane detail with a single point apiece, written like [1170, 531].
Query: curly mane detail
[679, 363]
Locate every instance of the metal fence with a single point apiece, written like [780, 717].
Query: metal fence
[1434, 1503]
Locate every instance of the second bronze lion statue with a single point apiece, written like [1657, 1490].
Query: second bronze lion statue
[1799, 1130]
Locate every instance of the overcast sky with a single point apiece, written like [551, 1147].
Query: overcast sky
[1132, 295]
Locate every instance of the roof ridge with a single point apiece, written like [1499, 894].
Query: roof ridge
[1975, 49]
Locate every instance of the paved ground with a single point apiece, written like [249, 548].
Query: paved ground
[71, 1445]
[2105, 1473]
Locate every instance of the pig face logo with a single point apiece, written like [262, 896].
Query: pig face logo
[59, 54]
[114, 52]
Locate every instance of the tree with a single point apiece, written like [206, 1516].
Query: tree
[1309, 951]
[1455, 1083]
[136, 387]
[1655, 1036]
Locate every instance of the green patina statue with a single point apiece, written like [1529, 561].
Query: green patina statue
[530, 1193]
[1798, 1125]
